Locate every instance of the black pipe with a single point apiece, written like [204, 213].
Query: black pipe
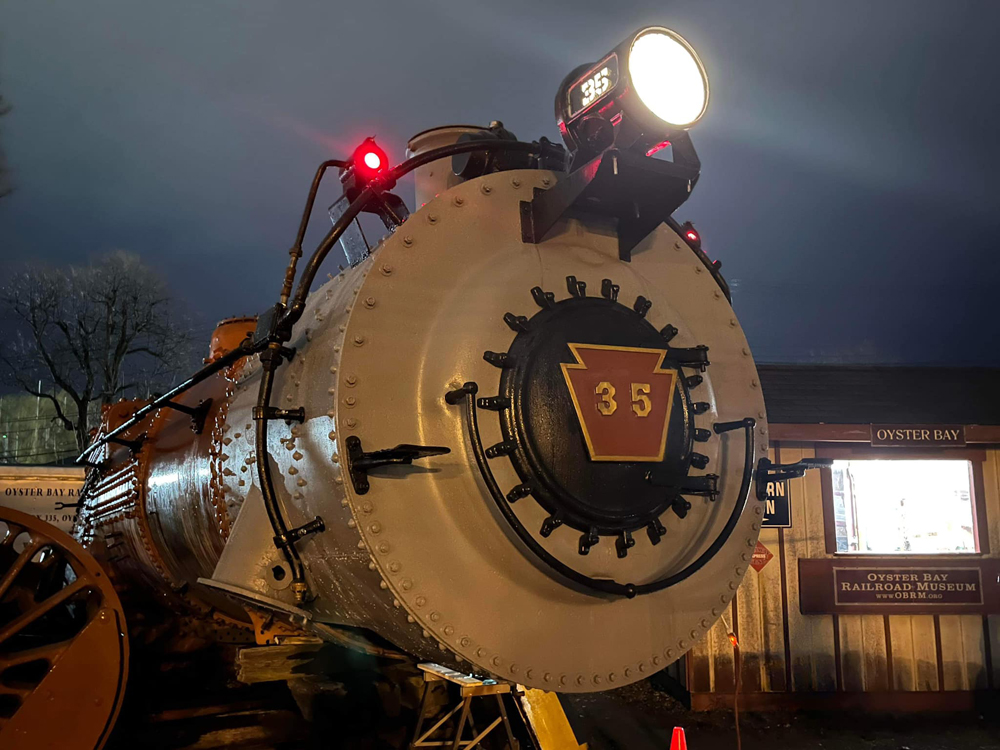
[245, 349]
[319, 255]
[296, 251]
[270, 359]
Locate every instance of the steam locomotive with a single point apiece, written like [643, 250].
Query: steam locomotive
[516, 438]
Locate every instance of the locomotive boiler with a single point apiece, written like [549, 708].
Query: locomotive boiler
[516, 437]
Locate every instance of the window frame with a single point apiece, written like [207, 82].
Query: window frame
[862, 451]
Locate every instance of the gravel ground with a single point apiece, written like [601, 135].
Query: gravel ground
[638, 717]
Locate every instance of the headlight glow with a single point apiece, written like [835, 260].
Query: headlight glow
[668, 77]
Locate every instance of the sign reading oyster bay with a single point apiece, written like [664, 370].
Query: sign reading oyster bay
[622, 399]
[908, 585]
[918, 435]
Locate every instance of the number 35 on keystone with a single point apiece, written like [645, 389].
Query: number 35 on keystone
[623, 400]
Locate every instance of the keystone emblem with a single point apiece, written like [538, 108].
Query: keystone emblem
[623, 400]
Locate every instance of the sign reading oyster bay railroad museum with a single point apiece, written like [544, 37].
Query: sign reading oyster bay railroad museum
[918, 435]
[885, 585]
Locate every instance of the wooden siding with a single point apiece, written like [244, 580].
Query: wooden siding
[784, 651]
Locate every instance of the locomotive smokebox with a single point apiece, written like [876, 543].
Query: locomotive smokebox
[538, 547]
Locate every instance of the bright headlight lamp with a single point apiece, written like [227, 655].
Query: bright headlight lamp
[649, 86]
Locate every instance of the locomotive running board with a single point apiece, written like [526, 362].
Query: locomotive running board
[250, 536]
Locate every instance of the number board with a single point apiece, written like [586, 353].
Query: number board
[595, 83]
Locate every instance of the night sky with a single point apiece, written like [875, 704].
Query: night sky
[850, 152]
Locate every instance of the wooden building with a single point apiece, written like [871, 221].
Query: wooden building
[833, 615]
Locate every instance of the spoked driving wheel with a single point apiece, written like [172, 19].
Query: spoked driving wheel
[63, 648]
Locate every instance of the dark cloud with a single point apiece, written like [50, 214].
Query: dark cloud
[849, 152]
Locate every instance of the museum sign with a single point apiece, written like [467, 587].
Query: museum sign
[840, 586]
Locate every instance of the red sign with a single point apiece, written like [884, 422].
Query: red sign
[761, 557]
[622, 399]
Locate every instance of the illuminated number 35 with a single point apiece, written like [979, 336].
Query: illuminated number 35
[641, 405]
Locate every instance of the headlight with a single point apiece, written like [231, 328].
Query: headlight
[668, 77]
[649, 86]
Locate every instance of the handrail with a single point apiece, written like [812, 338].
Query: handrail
[468, 393]
[245, 349]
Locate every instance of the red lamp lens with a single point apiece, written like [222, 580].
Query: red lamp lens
[369, 158]
[693, 236]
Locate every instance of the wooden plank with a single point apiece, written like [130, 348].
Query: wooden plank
[963, 652]
[199, 712]
[836, 704]
[993, 624]
[472, 690]
[824, 666]
[278, 663]
[982, 433]
[548, 721]
[808, 433]
[262, 728]
[991, 488]
[904, 670]
[800, 632]
[852, 652]
[434, 672]
[924, 652]
[723, 670]
[824, 650]
[468, 685]
[974, 652]
[771, 617]
[751, 637]
[813, 526]
[954, 674]
[811, 639]
[699, 661]
[874, 654]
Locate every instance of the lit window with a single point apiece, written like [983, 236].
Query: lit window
[903, 506]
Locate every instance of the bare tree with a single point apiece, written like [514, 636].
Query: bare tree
[97, 333]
